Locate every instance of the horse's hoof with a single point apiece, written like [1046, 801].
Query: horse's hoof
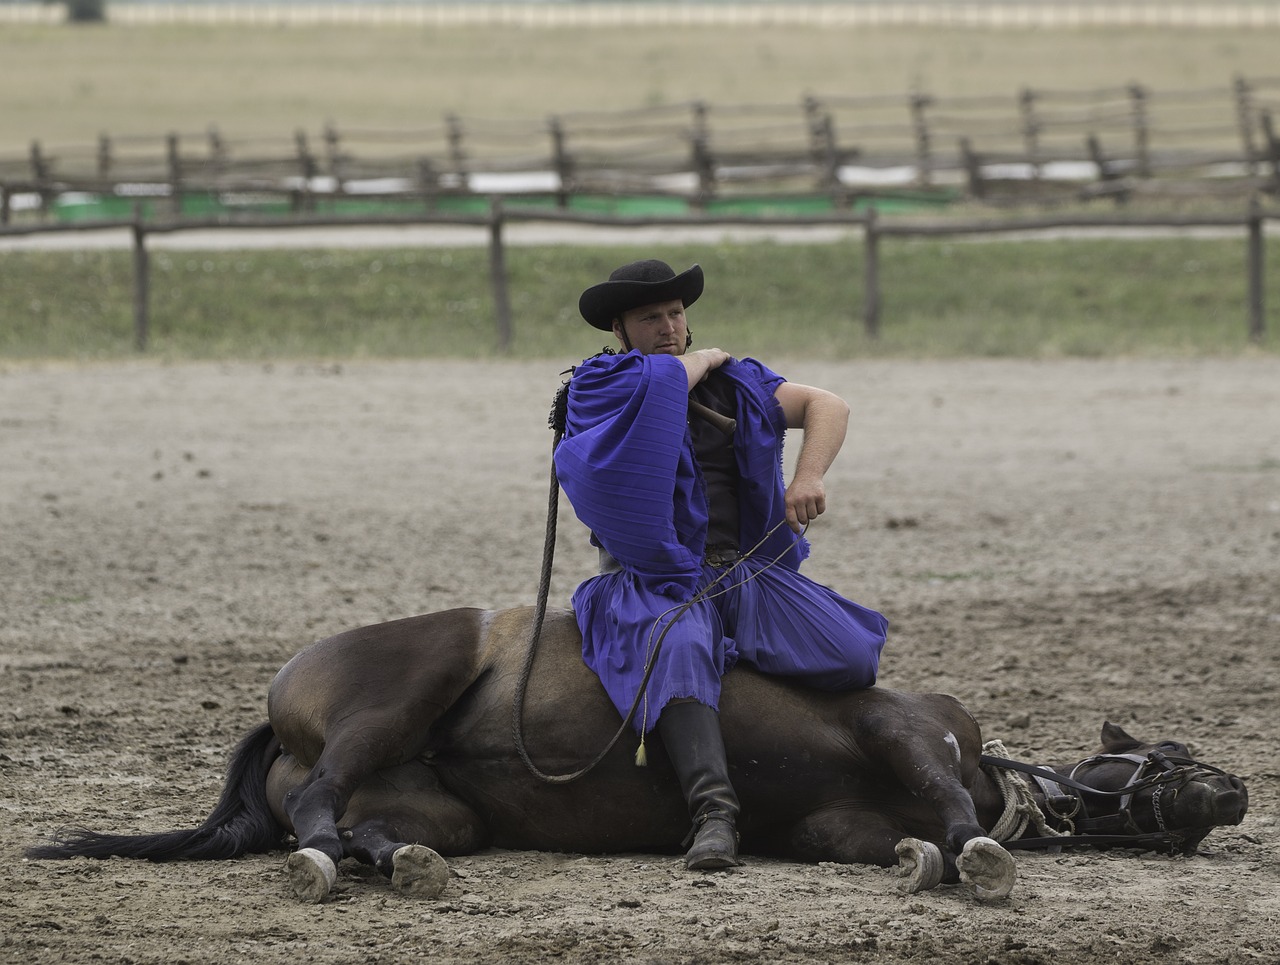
[312, 874]
[920, 865]
[987, 868]
[418, 871]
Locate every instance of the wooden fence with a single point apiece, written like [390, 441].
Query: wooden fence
[873, 227]
[1035, 146]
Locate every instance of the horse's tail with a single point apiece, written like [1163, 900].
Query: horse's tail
[241, 822]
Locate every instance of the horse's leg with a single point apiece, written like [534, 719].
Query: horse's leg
[863, 835]
[313, 867]
[400, 821]
[356, 704]
[326, 793]
[936, 757]
[313, 807]
[414, 869]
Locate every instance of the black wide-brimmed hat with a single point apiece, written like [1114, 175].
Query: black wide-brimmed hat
[636, 284]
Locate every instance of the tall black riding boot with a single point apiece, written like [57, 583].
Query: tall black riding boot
[690, 732]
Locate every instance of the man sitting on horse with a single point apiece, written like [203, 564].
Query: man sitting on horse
[677, 501]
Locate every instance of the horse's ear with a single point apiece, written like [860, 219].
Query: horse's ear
[1115, 740]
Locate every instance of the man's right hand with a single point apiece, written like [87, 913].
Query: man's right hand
[700, 363]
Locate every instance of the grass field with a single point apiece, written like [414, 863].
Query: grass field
[1174, 298]
[64, 85]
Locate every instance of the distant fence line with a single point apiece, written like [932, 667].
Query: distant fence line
[1007, 15]
[1028, 146]
[874, 230]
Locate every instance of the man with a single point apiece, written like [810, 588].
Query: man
[677, 503]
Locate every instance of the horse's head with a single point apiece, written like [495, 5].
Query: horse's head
[1158, 794]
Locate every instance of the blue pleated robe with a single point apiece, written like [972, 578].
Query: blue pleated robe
[627, 465]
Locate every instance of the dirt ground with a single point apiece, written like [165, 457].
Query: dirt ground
[1056, 543]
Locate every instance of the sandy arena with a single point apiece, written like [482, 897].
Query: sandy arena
[1056, 543]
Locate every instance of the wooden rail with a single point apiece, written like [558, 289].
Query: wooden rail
[873, 227]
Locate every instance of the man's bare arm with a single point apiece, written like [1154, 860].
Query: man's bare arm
[824, 417]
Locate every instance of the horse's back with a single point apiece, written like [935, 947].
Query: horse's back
[395, 670]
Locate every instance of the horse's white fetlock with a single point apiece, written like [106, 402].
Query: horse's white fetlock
[987, 868]
[312, 874]
[920, 865]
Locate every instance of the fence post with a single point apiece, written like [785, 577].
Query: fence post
[972, 168]
[175, 174]
[1244, 119]
[333, 155]
[1030, 130]
[5, 204]
[812, 108]
[1141, 133]
[141, 282]
[831, 164]
[561, 163]
[1257, 306]
[104, 157]
[819, 127]
[871, 279]
[924, 154]
[813, 123]
[40, 174]
[1273, 147]
[457, 151]
[307, 168]
[702, 160]
[498, 276]
[217, 149]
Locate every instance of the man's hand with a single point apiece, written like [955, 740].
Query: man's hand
[700, 363]
[806, 500]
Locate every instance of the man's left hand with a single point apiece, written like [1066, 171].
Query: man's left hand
[806, 501]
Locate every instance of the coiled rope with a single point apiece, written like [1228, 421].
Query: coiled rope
[1020, 808]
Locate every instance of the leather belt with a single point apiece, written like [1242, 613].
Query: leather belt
[721, 556]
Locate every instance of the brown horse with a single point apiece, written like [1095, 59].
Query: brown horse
[393, 744]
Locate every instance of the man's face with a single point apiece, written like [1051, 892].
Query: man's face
[657, 329]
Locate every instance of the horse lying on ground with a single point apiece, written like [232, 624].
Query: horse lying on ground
[393, 744]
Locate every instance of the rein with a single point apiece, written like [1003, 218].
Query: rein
[1156, 771]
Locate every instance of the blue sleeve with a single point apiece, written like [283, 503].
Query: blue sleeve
[768, 379]
[622, 459]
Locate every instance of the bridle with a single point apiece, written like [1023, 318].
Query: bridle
[1067, 802]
